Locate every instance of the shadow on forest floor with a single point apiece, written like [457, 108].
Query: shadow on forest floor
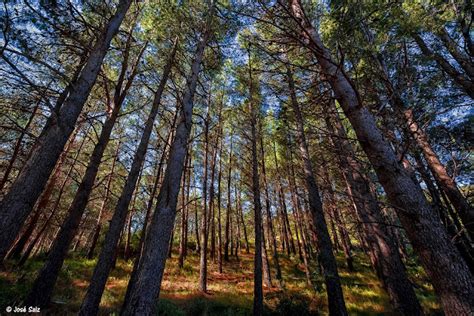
[230, 293]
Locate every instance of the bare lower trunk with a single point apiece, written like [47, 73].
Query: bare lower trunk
[42, 203]
[269, 226]
[326, 256]
[29, 184]
[267, 277]
[204, 218]
[219, 215]
[91, 302]
[450, 275]
[382, 250]
[145, 290]
[229, 207]
[257, 287]
[240, 212]
[184, 228]
[151, 200]
[44, 283]
[336, 219]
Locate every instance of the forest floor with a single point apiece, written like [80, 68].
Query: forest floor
[230, 293]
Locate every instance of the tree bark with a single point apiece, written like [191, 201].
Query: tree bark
[55, 207]
[447, 183]
[219, 211]
[270, 229]
[217, 151]
[229, 206]
[204, 218]
[382, 250]
[326, 256]
[257, 281]
[41, 291]
[151, 199]
[145, 290]
[91, 302]
[19, 201]
[241, 214]
[450, 275]
[184, 228]
[43, 203]
[267, 276]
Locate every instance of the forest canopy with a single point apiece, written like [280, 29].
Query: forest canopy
[282, 157]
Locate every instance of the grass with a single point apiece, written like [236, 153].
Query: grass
[230, 293]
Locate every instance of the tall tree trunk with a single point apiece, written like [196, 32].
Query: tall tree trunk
[450, 275]
[204, 218]
[229, 206]
[184, 228]
[43, 202]
[335, 237]
[98, 225]
[79, 237]
[459, 236]
[91, 302]
[270, 229]
[145, 290]
[305, 251]
[232, 238]
[284, 230]
[382, 250]
[336, 302]
[55, 207]
[219, 211]
[238, 242]
[41, 291]
[281, 198]
[126, 249]
[267, 276]
[151, 199]
[212, 220]
[241, 214]
[257, 281]
[346, 241]
[447, 183]
[336, 219]
[170, 246]
[19, 201]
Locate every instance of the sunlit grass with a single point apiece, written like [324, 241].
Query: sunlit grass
[230, 293]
